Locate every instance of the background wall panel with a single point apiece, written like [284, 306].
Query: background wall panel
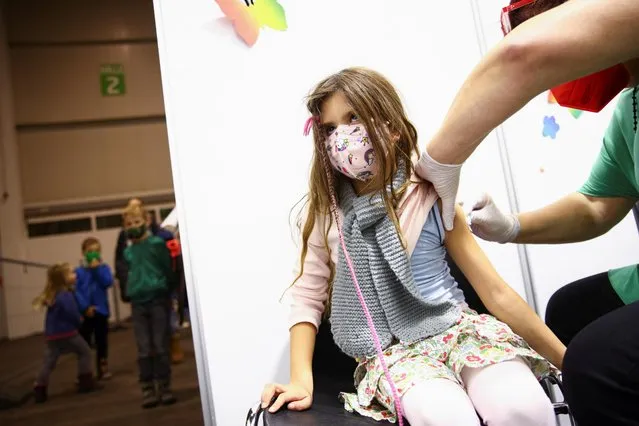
[61, 21]
[86, 162]
[62, 83]
[75, 142]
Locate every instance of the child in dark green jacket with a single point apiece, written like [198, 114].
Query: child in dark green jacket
[151, 281]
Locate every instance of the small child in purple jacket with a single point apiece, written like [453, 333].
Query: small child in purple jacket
[61, 326]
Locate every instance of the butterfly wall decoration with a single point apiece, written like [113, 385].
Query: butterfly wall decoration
[250, 16]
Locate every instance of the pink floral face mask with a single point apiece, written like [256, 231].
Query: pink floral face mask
[350, 152]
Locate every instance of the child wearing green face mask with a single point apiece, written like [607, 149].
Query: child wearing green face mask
[151, 281]
[91, 292]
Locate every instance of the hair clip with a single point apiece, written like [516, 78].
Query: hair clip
[308, 125]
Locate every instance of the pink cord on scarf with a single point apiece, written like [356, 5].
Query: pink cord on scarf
[378, 346]
[371, 326]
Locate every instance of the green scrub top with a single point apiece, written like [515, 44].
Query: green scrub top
[616, 174]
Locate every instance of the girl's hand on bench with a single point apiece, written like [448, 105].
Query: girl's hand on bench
[297, 397]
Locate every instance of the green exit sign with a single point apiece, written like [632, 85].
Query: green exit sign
[112, 80]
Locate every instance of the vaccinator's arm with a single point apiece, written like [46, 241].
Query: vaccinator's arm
[578, 38]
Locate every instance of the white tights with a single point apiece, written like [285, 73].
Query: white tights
[503, 394]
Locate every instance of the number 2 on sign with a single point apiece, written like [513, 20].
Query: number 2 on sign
[112, 85]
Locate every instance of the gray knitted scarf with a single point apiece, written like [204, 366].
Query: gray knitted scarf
[385, 276]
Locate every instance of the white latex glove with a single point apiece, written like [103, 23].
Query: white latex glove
[445, 179]
[491, 224]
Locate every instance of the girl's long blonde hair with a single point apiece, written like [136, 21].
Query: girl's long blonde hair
[56, 282]
[379, 108]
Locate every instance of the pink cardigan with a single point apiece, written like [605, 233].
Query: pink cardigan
[311, 291]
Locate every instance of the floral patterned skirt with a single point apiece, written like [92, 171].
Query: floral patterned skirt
[474, 341]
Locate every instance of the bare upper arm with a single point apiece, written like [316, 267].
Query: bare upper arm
[460, 239]
[471, 259]
[608, 211]
[576, 39]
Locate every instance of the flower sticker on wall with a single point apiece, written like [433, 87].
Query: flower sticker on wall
[249, 16]
[550, 127]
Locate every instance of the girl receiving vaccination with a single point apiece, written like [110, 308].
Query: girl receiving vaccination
[431, 358]
[61, 326]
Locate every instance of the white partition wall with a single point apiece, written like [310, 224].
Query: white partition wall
[235, 116]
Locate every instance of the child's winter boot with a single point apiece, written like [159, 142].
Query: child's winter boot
[149, 396]
[166, 396]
